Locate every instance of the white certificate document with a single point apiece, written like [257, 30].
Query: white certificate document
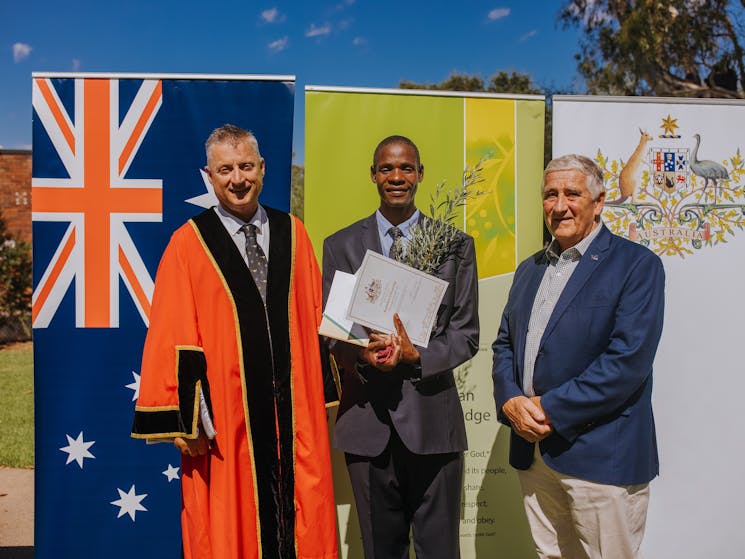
[335, 323]
[384, 286]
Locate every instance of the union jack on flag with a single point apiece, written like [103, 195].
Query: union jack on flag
[96, 150]
[117, 163]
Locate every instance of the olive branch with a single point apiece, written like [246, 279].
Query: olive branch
[434, 239]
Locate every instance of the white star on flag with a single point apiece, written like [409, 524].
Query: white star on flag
[129, 503]
[204, 200]
[77, 449]
[134, 386]
[171, 473]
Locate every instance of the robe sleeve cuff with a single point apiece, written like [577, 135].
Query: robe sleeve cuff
[182, 420]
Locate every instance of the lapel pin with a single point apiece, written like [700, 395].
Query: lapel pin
[594, 257]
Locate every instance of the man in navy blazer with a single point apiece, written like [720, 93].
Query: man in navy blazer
[573, 373]
[400, 421]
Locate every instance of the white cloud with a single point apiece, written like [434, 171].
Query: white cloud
[21, 51]
[272, 15]
[592, 12]
[76, 64]
[318, 31]
[279, 45]
[498, 13]
[359, 41]
[529, 35]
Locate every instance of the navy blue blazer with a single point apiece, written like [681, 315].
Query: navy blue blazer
[423, 405]
[593, 370]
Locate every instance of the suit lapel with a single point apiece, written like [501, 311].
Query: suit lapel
[591, 259]
[370, 238]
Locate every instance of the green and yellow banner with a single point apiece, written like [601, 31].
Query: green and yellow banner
[452, 131]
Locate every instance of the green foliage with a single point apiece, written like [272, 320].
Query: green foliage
[297, 191]
[15, 286]
[513, 82]
[17, 406]
[501, 82]
[456, 82]
[678, 48]
[434, 240]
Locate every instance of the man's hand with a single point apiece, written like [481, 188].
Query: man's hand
[407, 353]
[379, 345]
[527, 418]
[537, 401]
[386, 352]
[192, 447]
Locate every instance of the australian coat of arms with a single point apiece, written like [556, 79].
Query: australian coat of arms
[668, 196]
[372, 290]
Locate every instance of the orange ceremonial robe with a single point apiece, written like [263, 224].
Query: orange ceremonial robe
[264, 490]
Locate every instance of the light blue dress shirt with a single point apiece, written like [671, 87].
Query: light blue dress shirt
[386, 240]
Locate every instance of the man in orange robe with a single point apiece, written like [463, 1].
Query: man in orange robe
[231, 372]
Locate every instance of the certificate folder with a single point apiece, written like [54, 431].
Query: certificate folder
[380, 288]
[335, 323]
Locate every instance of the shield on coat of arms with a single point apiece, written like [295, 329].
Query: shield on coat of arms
[669, 168]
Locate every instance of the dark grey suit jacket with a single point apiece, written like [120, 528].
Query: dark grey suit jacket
[423, 404]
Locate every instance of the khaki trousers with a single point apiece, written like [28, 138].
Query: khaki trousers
[571, 518]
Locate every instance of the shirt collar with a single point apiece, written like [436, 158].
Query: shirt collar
[233, 224]
[553, 250]
[384, 225]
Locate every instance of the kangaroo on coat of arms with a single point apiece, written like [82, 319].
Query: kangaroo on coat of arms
[661, 196]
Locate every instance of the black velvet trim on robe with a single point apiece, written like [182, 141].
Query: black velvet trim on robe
[151, 424]
[267, 369]
[192, 368]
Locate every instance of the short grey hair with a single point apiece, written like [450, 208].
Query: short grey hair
[230, 134]
[593, 174]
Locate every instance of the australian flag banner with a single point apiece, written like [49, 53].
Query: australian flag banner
[117, 166]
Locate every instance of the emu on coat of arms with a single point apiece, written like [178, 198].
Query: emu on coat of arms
[666, 197]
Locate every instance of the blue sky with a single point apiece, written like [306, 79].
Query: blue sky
[361, 43]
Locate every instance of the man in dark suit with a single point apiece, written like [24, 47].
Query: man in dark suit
[400, 422]
[573, 373]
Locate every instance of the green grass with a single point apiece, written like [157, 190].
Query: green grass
[17, 406]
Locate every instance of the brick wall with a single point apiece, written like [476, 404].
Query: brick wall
[15, 192]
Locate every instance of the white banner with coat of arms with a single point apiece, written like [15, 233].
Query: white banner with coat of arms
[675, 180]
